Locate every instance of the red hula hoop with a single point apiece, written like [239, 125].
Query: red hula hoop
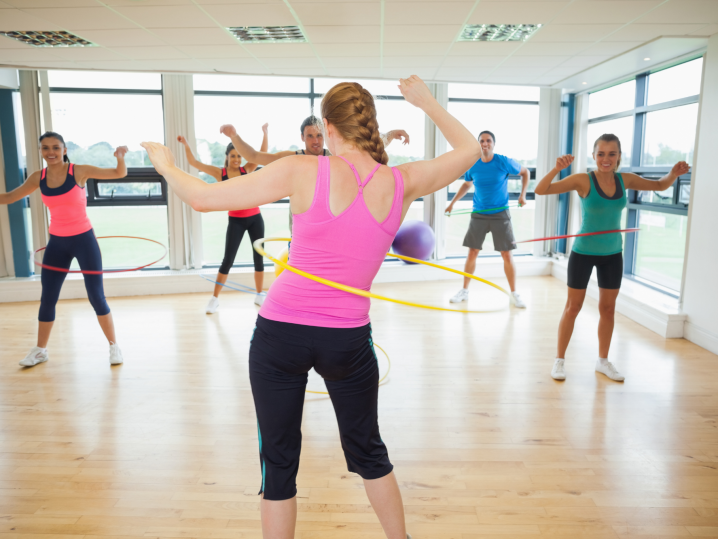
[578, 235]
[93, 272]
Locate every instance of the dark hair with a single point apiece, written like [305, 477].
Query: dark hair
[609, 137]
[311, 121]
[230, 147]
[350, 108]
[58, 136]
[488, 133]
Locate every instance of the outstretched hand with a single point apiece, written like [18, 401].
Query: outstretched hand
[120, 152]
[415, 91]
[160, 155]
[228, 130]
[181, 140]
[398, 134]
[564, 162]
[265, 128]
[680, 168]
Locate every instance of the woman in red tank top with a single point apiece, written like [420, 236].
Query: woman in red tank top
[240, 221]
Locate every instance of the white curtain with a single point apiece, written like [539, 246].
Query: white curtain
[548, 147]
[185, 224]
[29, 97]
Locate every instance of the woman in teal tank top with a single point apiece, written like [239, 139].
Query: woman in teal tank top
[603, 198]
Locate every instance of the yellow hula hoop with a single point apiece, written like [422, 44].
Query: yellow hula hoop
[359, 292]
[381, 380]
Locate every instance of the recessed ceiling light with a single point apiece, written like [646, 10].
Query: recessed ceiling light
[48, 39]
[498, 32]
[584, 83]
[268, 34]
[646, 59]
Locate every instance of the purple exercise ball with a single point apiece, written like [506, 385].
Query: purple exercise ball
[415, 239]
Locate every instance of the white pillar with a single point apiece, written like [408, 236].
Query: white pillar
[700, 289]
[185, 224]
[549, 142]
[434, 146]
[580, 164]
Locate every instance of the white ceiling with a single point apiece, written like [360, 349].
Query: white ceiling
[358, 38]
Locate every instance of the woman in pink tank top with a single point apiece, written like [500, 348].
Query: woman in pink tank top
[240, 221]
[71, 236]
[347, 210]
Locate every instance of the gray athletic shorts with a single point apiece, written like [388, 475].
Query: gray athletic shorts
[499, 224]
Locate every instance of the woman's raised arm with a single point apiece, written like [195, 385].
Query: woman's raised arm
[271, 183]
[27, 188]
[574, 182]
[213, 171]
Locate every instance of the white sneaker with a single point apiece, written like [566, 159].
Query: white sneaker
[558, 372]
[461, 295]
[213, 305]
[259, 298]
[34, 357]
[517, 301]
[607, 368]
[115, 355]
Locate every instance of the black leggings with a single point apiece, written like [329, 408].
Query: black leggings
[609, 270]
[59, 253]
[236, 228]
[280, 356]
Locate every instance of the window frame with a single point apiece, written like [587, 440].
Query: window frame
[634, 203]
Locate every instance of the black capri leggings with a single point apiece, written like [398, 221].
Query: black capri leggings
[236, 228]
[59, 253]
[280, 356]
[609, 270]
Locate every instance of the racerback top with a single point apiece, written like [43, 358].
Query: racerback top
[67, 204]
[348, 248]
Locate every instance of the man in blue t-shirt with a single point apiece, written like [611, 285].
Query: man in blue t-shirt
[490, 176]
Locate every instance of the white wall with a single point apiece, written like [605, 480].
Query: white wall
[700, 292]
[8, 79]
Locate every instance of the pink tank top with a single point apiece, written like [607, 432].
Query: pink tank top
[67, 205]
[348, 248]
[239, 213]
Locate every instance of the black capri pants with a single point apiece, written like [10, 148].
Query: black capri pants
[280, 356]
[236, 228]
[59, 253]
[609, 270]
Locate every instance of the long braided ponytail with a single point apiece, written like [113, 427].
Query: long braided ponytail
[350, 108]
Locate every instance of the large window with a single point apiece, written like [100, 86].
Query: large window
[249, 102]
[657, 130]
[511, 113]
[95, 113]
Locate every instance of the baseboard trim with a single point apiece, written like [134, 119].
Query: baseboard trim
[701, 336]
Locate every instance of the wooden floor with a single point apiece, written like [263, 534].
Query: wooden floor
[485, 444]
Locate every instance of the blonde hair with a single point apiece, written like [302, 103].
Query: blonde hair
[350, 108]
[610, 137]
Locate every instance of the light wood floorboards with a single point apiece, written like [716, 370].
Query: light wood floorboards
[485, 444]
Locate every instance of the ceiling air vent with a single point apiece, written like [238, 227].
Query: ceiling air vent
[48, 39]
[268, 34]
[498, 32]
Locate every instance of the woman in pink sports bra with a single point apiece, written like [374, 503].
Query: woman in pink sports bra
[240, 221]
[71, 236]
[347, 210]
